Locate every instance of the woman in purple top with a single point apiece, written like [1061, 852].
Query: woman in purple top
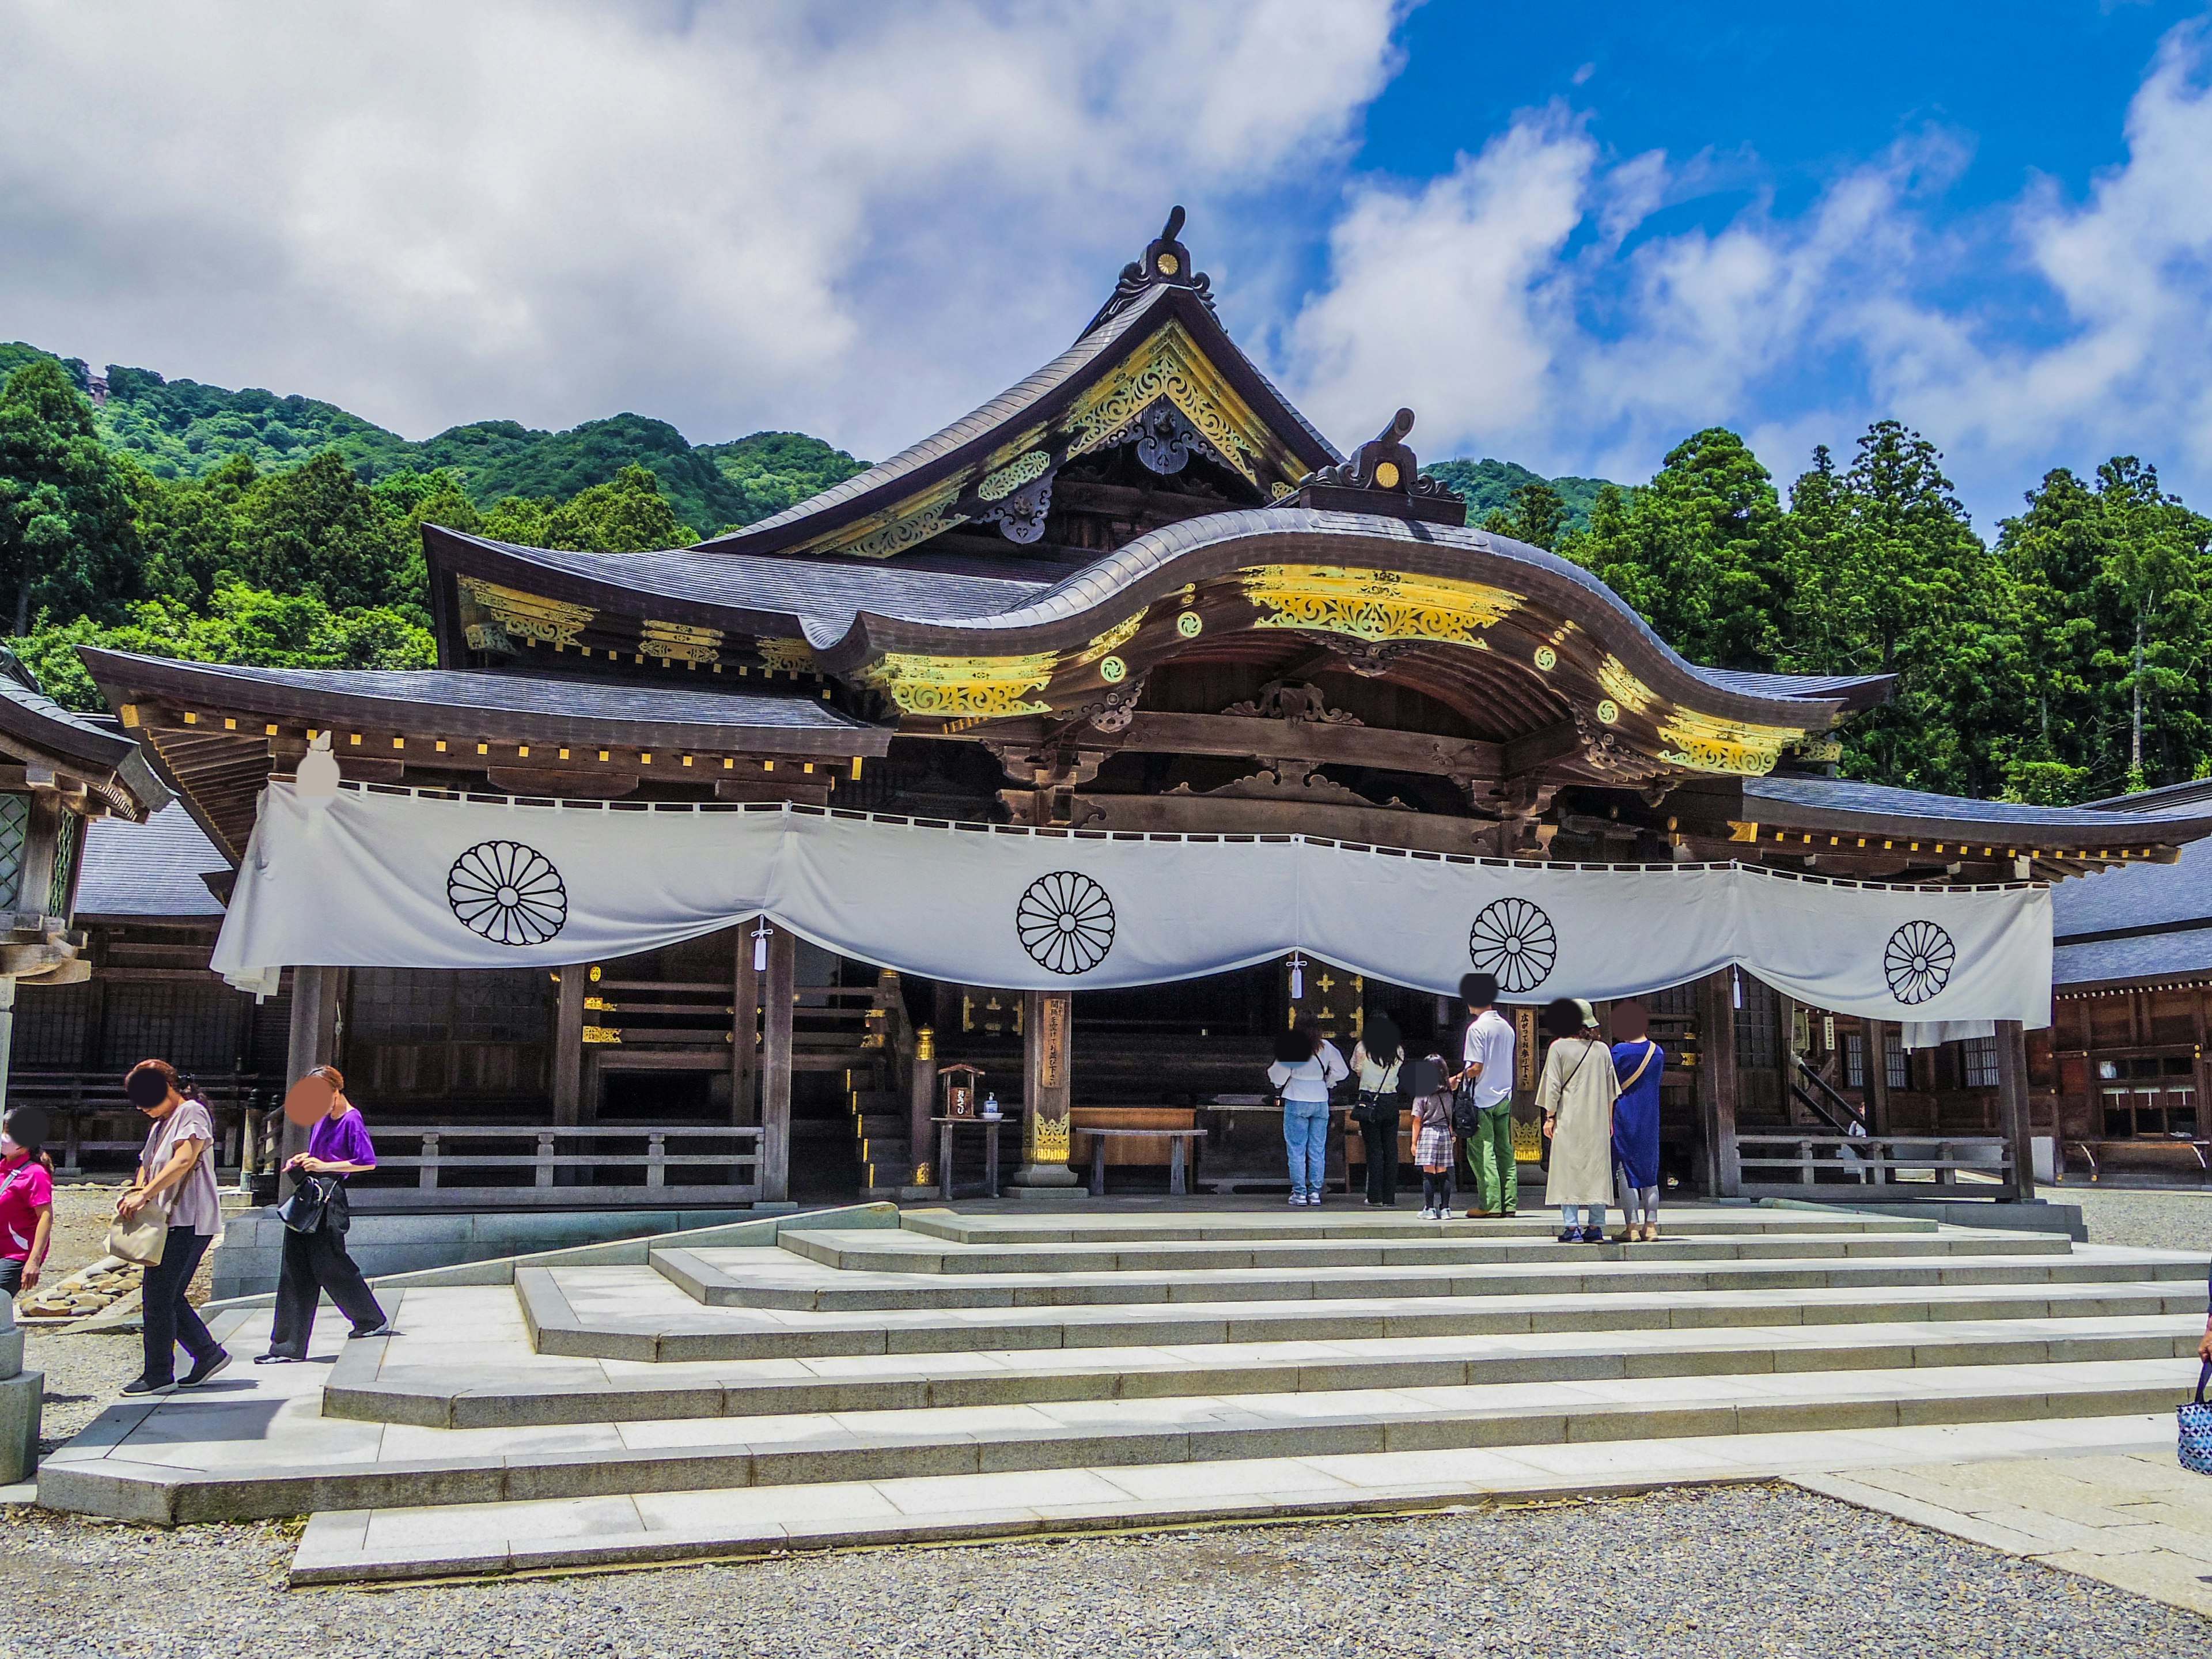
[317, 1262]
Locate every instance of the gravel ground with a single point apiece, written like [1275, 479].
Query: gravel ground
[2145, 1218]
[1765, 1571]
[83, 1374]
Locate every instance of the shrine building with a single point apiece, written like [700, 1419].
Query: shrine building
[1136, 602]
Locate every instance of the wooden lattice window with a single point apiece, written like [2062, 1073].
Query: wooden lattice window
[14, 838]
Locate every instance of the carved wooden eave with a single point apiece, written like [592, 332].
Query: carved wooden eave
[1523, 644]
[223, 732]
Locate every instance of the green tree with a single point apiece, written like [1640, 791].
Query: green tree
[68, 526]
[319, 527]
[239, 625]
[1887, 576]
[626, 515]
[1538, 516]
[1697, 551]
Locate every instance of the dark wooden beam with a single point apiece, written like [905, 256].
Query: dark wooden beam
[1540, 750]
[775, 1068]
[1240, 737]
[2013, 1106]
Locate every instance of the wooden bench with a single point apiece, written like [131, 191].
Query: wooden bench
[1135, 1150]
[2196, 1148]
[1177, 1160]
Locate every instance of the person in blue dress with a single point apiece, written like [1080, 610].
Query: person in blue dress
[1637, 1062]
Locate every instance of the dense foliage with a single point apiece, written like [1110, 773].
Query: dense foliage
[180, 430]
[2064, 660]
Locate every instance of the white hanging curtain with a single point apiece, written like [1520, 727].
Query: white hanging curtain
[392, 878]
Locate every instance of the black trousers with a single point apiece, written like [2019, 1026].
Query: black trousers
[315, 1262]
[1382, 1139]
[11, 1276]
[169, 1319]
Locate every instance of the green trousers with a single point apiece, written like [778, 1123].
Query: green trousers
[1490, 1156]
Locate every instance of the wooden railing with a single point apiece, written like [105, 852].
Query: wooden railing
[449, 1155]
[85, 1112]
[1871, 1168]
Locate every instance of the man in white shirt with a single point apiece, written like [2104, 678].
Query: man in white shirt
[1487, 1067]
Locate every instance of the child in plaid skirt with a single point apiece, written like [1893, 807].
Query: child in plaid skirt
[1432, 1151]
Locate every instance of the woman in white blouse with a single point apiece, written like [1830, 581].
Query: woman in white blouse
[1307, 1067]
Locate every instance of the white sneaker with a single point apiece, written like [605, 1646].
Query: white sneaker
[1298, 1200]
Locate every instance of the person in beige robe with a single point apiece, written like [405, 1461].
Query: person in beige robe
[1577, 1095]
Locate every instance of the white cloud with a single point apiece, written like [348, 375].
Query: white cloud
[1515, 305]
[853, 220]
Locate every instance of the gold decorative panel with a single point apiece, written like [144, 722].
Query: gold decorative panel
[1022, 468]
[1705, 745]
[955, 686]
[1169, 365]
[676, 642]
[794, 656]
[1053, 1142]
[1375, 604]
[896, 528]
[518, 615]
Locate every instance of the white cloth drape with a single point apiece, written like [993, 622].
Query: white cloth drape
[391, 878]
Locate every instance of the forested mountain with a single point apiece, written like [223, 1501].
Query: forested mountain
[181, 430]
[2063, 660]
[1493, 486]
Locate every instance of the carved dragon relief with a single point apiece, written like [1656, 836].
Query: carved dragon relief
[1292, 700]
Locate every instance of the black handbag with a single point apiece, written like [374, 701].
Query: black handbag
[1466, 1116]
[316, 1204]
[1378, 1107]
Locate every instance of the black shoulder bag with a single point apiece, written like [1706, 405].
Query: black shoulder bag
[317, 1203]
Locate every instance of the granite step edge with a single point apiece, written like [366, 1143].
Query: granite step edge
[422, 1398]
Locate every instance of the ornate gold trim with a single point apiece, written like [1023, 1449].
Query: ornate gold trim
[1004, 481]
[1705, 745]
[1112, 639]
[1170, 365]
[894, 529]
[1375, 604]
[679, 642]
[1052, 1138]
[957, 686]
[794, 656]
[1624, 687]
[523, 615]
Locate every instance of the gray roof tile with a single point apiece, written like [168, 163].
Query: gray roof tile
[149, 869]
[2149, 956]
[1848, 795]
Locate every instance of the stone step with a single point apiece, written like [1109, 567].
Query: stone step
[424, 1389]
[204, 1480]
[632, 1313]
[1201, 1219]
[395, 1545]
[778, 1279]
[883, 1250]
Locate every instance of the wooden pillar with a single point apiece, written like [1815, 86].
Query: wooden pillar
[745, 1030]
[776, 1068]
[569, 1044]
[921, 1106]
[2012, 1106]
[1875, 1040]
[312, 1041]
[1047, 1016]
[1717, 1089]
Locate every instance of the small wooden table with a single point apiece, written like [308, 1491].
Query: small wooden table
[990, 1127]
[1176, 1159]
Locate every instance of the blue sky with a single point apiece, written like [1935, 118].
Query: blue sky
[1568, 234]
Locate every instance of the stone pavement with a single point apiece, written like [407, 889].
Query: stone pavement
[2138, 1521]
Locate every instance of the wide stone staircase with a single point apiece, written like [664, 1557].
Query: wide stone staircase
[863, 1377]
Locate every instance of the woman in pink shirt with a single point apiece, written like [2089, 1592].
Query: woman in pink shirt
[27, 1200]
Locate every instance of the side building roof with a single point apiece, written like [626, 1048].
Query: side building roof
[149, 872]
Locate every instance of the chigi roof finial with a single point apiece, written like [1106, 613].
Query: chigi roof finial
[1166, 264]
[1383, 477]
